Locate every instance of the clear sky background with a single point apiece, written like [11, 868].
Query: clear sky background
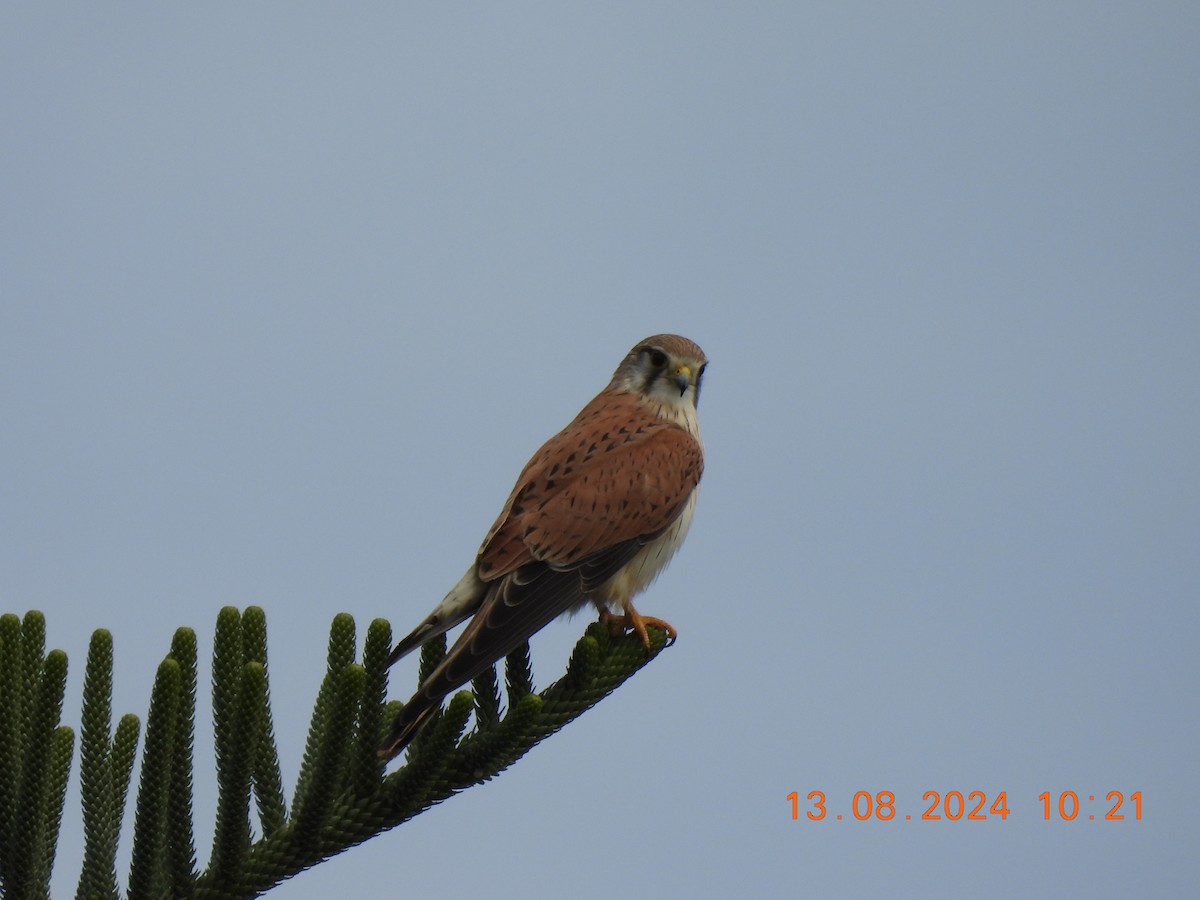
[290, 293]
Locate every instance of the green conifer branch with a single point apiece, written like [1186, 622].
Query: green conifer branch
[148, 874]
[445, 764]
[367, 767]
[329, 763]
[33, 653]
[181, 839]
[49, 677]
[486, 689]
[343, 795]
[229, 659]
[124, 749]
[267, 775]
[231, 841]
[12, 738]
[518, 674]
[339, 654]
[60, 772]
[99, 875]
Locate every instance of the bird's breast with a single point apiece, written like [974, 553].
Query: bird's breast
[641, 571]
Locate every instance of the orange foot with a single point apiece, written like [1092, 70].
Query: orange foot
[635, 621]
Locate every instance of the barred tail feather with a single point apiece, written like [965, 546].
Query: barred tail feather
[458, 605]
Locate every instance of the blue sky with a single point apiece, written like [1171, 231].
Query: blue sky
[290, 294]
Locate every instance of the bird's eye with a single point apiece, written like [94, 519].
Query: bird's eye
[658, 359]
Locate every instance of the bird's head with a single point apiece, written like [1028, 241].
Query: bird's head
[666, 369]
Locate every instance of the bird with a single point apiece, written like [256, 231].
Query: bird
[595, 516]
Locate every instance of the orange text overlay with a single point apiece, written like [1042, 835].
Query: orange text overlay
[970, 806]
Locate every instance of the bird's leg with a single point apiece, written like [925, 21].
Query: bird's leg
[636, 622]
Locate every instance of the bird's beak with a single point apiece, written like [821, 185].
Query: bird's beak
[683, 377]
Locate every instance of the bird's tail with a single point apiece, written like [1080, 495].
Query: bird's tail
[410, 720]
[462, 601]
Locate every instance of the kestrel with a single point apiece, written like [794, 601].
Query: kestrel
[595, 515]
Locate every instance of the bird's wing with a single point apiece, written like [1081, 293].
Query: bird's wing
[613, 475]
